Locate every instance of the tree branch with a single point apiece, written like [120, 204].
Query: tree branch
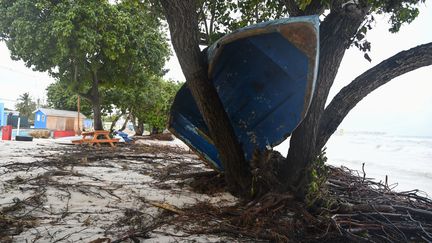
[292, 8]
[315, 7]
[204, 20]
[367, 82]
[213, 13]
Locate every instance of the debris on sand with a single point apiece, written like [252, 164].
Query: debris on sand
[51, 192]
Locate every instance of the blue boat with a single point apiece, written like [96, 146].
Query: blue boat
[265, 77]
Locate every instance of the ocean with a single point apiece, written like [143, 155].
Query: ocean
[407, 161]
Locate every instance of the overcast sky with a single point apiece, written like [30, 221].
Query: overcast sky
[401, 107]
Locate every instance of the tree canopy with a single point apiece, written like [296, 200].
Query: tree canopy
[60, 97]
[26, 106]
[148, 101]
[156, 102]
[216, 18]
[86, 44]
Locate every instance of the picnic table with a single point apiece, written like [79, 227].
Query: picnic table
[96, 137]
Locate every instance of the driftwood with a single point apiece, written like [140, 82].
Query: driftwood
[166, 206]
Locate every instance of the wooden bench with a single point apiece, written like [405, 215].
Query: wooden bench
[96, 137]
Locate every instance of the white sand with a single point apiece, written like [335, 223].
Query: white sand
[84, 202]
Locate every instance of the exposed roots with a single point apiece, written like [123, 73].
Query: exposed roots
[371, 211]
[352, 208]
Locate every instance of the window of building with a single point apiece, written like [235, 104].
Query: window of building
[38, 117]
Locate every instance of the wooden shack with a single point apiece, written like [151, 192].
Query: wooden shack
[58, 120]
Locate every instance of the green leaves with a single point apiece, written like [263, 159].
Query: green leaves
[115, 40]
[400, 11]
[25, 105]
[216, 18]
[149, 100]
[303, 4]
[60, 96]
[84, 44]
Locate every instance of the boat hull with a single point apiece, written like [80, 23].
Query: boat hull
[265, 77]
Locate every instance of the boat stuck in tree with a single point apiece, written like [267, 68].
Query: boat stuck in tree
[265, 77]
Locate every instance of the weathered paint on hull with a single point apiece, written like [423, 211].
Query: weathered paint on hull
[265, 77]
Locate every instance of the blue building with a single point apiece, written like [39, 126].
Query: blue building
[2, 115]
[40, 120]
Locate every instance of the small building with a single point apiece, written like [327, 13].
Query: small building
[13, 118]
[58, 120]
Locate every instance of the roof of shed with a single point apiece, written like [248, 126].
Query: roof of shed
[60, 113]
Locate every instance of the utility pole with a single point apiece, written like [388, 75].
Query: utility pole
[79, 111]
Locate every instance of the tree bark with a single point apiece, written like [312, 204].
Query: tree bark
[125, 123]
[154, 131]
[182, 19]
[336, 32]
[367, 82]
[314, 7]
[138, 125]
[95, 100]
[292, 8]
[115, 120]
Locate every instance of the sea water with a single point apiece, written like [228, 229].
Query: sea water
[406, 161]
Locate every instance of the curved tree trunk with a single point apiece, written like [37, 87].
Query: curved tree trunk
[182, 19]
[367, 82]
[125, 123]
[335, 37]
[113, 123]
[115, 120]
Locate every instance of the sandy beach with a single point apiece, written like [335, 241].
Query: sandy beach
[158, 191]
[65, 193]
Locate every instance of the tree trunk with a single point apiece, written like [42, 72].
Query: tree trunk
[125, 123]
[154, 131]
[182, 19]
[140, 128]
[95, 100]
[367, 82]
[337, 32]
[137, 124]
[335, 37]
[114, 122]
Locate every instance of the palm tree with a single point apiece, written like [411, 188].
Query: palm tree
[25, 105]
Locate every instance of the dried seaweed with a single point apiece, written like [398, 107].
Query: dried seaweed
[351, 206]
